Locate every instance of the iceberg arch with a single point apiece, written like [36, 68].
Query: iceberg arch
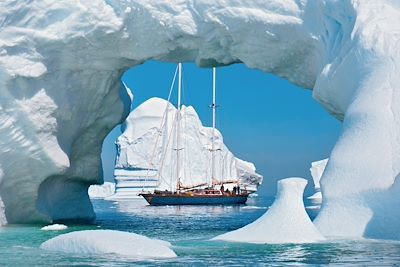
[60, 69]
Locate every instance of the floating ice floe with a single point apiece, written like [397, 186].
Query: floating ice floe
[109, 241]
[285, 222]
[54, 227]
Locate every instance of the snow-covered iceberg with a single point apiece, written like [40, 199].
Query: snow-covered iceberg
[101, 191]
[285, 222]
[61, 64]
[102, 242]
[145, 157]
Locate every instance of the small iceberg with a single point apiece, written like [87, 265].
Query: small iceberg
[317, 169]
[109, 241]
[285, 222]
[316, 196]
[54, 227]
[101, 191]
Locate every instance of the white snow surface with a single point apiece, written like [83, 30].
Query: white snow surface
[54, 227]
[148, 142]
[101, 191]
[102, 242]
[60, 69]
[285, 222]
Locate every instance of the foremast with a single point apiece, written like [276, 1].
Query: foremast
[178, 130]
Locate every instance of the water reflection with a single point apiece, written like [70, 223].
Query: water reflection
[139, 207]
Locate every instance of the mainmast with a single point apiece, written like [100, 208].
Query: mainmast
[213, 106]
[178, 124]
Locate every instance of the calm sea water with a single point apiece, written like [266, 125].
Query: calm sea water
[189, 230]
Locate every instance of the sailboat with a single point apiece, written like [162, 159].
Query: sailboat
[212, 192]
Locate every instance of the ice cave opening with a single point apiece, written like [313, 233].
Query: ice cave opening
[263, 119]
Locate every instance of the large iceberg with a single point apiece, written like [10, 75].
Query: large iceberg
[61, 64]
[285, 222]
[133, 246]
[146, 157]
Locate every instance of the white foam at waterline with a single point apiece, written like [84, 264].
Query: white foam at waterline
[253, 208]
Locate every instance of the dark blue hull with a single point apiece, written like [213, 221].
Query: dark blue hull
[163, 200]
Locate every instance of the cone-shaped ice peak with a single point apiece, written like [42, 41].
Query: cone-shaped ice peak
[285, 222]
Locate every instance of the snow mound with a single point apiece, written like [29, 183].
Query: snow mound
[109, 241]
[101, 191]
[145, 146]
[285, 222]
[54, 227]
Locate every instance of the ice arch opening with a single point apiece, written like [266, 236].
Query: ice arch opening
[60, 64]
[255, 117]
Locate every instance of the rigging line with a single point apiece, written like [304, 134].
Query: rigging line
[166, 148]
[186, 97]
[185, 152]
[161, 127]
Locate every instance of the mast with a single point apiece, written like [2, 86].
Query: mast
[213, 106]
[178, 124]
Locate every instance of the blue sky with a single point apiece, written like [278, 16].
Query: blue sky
[264, 119]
